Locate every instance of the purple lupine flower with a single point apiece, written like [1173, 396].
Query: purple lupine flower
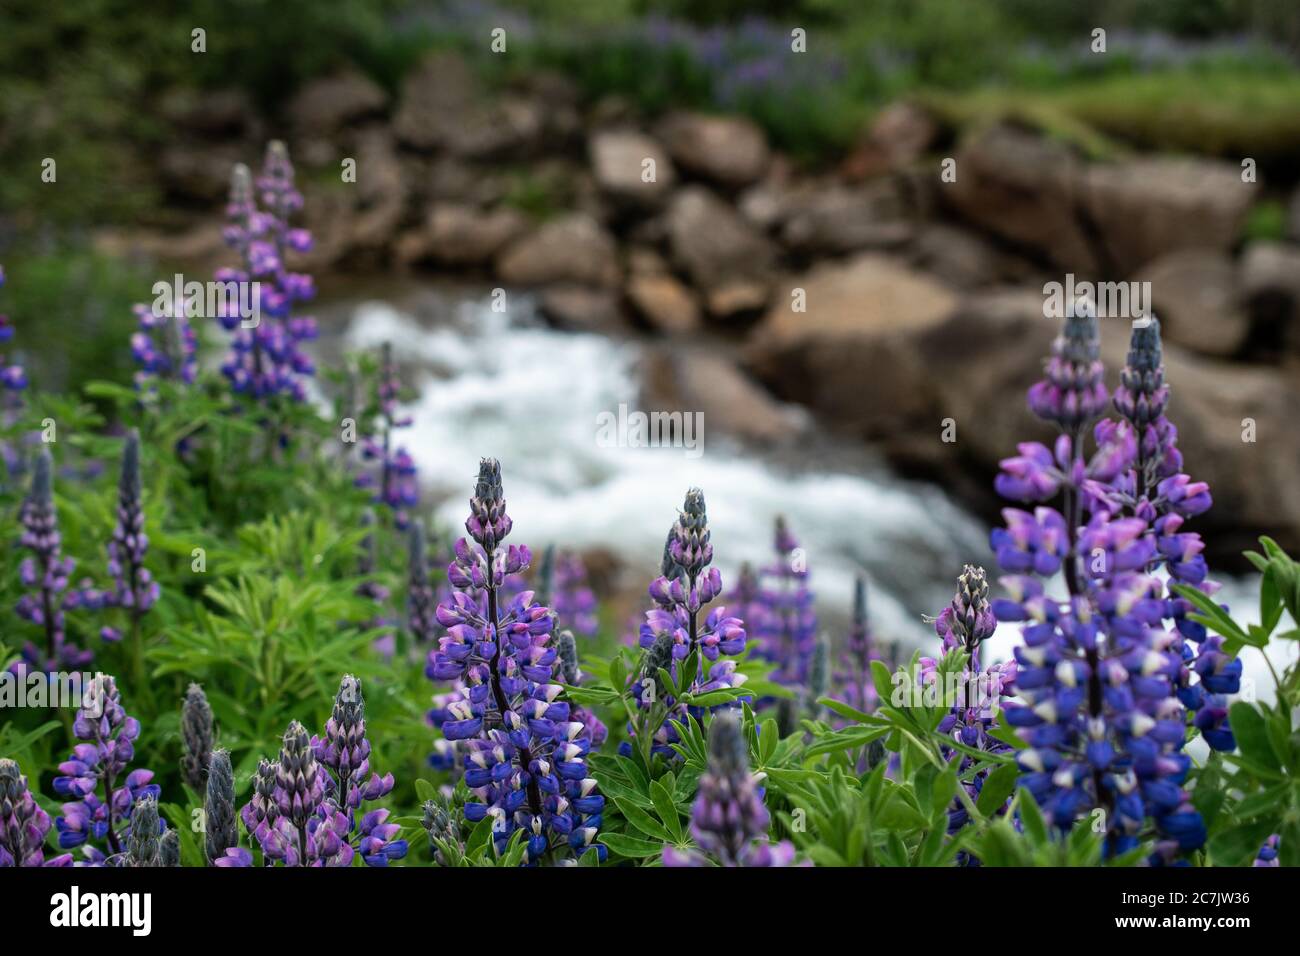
[45, 574]
[220, 830]
[566, 650]
[685, 585]
[134, 587]
[371, 589]
[23, 824]
[729, 822]
[524, 756]
[562, 586]
[1098, 670]
[344, 750]
[853, 681]
[165, 346]
[267, 360]
[441, 823]
[787, 635]
[12, 377]
[196, 736]
[261, 813]
[964, 626]
[1268, 852]
[100, 809]
[395, 485]
[144, 843]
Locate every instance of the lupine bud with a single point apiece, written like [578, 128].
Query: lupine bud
[488, 523]
[144, 846]
[1073, 393]
[659, 657]
[819, 670]
[23, 824]
[690, 546]
[134, 587]
[220, 832]
[566, 649]
[196, 733]
[1142, 394]
[169, 848]
[441, 824]
[300, 786]
[419, 592]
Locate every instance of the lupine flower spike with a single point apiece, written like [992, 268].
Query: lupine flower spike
[196, 735]
[220, 831]
[729, 821]
[23, 824]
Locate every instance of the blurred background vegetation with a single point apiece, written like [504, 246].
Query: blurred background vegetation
[87, 81]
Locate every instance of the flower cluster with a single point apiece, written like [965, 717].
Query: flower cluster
[134, 587]
[267, 359]
[12, 376]
[303, 811]
[165, 346]
[394, 485]
[45, 573]
[965, 624]
[220, 830]
[852, 680]
[100, 809]
[523, 752]
[23, 824]
[782, 617]
[196, 735]
[1102, 674]
[562, 586]
[673, 629]
[728, 820]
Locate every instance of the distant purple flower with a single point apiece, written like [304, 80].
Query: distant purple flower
[562, 586]
[268, 360]
[23, 824]
[134, 587]
[853, 682]
[729, 822]
[419, 590]
[45, 573]
[787, 629]
[165, 346]
[394, 484]
[1268, 852]
[12, 376]
[1073, 393]
[100, 810]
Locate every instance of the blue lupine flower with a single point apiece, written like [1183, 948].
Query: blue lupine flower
[786, 629]
[103, 800]
[23, 824]
[522, 750]
[394, 484]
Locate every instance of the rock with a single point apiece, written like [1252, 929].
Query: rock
[443, 109]
[850, 355]
[729, 401]
[327, 104]
[461, 235]
[841, 219]
[664, 302]
[214, 113]
[900, 134]
[958, 257]
[718, 250]
[198, 170]
[572, 249]
[1147, 207]
[580, 308]
[727, 150]
[456, 181]
[1026, 189]
[1269, 279]
[1194, 292]
[617, 160]
[380, 190]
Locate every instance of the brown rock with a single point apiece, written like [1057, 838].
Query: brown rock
[1026, 189]
[664, 302]
[730, 402]
[841, 219]
[573, 249]
[850, 356]
[617, 158]
[957, 256]
[580, 307]
[1194, 292]
[380, 190]
[728, 150]
[900, 134]
[466, 236]
[1270, 283]
[200, 170]
[1147, 207]
[327, 104]
[715, 246]
[208, 113]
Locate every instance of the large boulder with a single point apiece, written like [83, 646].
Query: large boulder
[722, 254]
[731, 403]
[1026, 189]
[664, 302]
[461, 235]
[1270, 285]
[573, 249]
[899, 135]
[840, 219]
[730, 151]
[851, 356]
[443, 109]
[581, 308]
[327, 104]
[1194, 291]
[380, 190]
[1146, 207]
[618, 161]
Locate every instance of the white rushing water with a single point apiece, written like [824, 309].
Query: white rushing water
[508, 386]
